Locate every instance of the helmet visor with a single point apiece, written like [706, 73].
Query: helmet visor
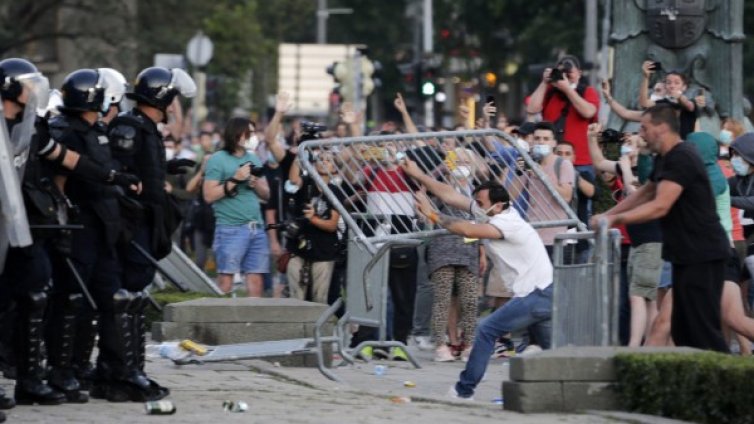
[39, 89]
[183, 82]
[114, 83]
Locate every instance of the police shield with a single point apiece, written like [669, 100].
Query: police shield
[38, 89]
[14, 227]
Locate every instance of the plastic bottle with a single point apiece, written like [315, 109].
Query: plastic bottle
[172, 351]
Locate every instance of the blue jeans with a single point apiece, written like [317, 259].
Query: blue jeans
[532, 311]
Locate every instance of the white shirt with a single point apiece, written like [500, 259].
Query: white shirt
[520, 256]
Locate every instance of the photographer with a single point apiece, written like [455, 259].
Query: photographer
[676, 85]
[234, 186]
[564, 99]
[312, 236]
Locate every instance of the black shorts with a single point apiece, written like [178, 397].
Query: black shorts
[733, 269]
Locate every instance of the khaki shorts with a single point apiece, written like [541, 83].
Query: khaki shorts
[644, 270]
[496, 287]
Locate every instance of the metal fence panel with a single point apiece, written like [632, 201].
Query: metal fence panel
[585, 300]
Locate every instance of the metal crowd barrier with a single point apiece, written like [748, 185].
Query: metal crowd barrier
[375, 200]
[586, 295]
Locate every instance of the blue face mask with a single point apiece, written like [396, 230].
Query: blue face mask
[726, 137]
[740, 166]
[624, 150]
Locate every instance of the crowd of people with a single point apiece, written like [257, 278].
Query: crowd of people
[237, 198]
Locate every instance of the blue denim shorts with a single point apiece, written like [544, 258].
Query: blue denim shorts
[241, 248]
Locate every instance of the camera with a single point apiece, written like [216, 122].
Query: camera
[556, 75]
[611, 136]
[292, 228]
[257, 171]
[656, 66]
[312, 130]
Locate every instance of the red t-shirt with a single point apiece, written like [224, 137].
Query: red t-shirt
[575, 125]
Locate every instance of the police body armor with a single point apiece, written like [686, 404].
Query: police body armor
[95, 199]
[138, 147]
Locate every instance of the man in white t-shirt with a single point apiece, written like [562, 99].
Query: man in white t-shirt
[517, 253]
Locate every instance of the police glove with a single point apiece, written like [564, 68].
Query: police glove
[178, 166]
[123, 179]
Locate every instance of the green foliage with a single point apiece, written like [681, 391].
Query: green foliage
[164, 297]
[706, 387]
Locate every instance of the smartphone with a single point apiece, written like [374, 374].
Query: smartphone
[656, 66]
[490, 99]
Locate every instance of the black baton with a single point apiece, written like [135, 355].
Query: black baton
[180, 286]
[78, 278]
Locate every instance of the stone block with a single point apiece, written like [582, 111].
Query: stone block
[214, 321]
[528, 397]
[244, 310]
[576, 363]
[583, 396]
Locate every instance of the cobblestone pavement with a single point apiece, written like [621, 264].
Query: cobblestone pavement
[303, 395]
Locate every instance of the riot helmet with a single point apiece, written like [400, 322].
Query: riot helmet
[158, 86]
[116, 86]
[15, 73]
[83, 91]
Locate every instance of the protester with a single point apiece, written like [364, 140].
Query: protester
[693, 239]
[240, 243]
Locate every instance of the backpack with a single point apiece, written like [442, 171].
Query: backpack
[574, 203]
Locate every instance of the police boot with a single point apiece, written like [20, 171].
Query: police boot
[139, 323]
[116, 350]
[62, 331]
[30, 388]
[86, 334]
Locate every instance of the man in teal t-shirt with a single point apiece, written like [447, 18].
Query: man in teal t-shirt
[230, 186]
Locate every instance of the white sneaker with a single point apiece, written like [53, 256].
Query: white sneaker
[531, 349]
[443, 354]
[452, 393]
[424, 342]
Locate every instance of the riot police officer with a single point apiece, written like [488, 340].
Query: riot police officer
[24, 280]
[137, 145]
[93, 263]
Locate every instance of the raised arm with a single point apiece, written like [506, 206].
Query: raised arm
[646, 72]
[595, 152]
[400, 105]
[282, 105]
[537, 99]
[446, 193]
[619, 109]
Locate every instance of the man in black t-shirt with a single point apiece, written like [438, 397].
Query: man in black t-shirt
[679, 194]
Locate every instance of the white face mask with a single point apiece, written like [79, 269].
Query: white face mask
[462, 172]
[169, 153]
[655, 97]
[726, 137]
[487, 212]
[540, 151]
[251, 143]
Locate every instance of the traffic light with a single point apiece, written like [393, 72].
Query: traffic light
[490, 79]
[428, 88]
[345, 74]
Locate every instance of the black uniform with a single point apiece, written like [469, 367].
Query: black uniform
[137, 147]
[26, 276]
[94, 260]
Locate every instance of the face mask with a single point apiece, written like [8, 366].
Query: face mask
[655, 97]
[624, 150]
[523, 144]
[740, 166]
[289, 187]
[487, 212]
[251, 143]
[462, 172]
[169, 154]
[540, 151]
[726, 137]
